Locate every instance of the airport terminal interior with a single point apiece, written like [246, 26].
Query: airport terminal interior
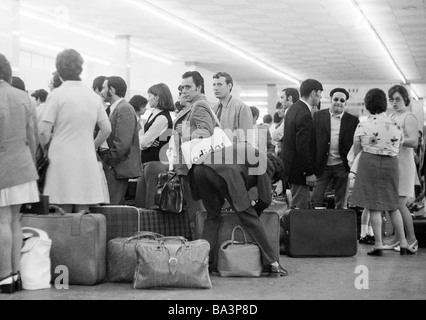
[265, 46]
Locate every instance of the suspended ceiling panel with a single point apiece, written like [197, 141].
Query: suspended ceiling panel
[322, 39]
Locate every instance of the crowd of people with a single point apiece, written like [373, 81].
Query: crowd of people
[96, 141]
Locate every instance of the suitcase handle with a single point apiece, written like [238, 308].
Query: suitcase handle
[145, 234]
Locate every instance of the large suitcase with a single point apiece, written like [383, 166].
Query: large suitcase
[78, 244]
[269, 219]
[172, 263]
[167, 224]
[122, 221]
[122, 258]
[320, 233]
[419, 223]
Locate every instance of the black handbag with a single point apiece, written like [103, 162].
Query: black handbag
[42, 163]
[41, 207]
[169, 197]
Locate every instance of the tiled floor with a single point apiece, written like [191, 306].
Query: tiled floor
[389, 277]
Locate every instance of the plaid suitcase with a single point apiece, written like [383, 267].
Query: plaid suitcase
[122, 221]
[269, 219]
[167, 224]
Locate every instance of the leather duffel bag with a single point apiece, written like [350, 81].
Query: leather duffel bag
[172, 262]
[122, 258]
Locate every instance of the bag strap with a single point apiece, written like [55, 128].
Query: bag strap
[233, 234]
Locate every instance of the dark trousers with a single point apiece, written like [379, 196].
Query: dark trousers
[117, 187]
[213, 190]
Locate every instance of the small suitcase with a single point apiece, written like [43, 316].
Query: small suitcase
[122, 258]
[167, 224]
[122, 221]
[320, 233]
[78, 244]
[269, 219]
[419, 223]
[172, 263]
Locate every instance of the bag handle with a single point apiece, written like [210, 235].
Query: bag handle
[145, 234]
[36, 232]
[165, 239]
[76, 222]
[320, 205]
[233, 234]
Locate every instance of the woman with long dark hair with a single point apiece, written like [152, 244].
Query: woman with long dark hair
[152, 139]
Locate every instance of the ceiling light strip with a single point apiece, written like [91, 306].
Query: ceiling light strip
[57, 49]
[378, 39]
[413, 94]
[53, 22]
[94, 34]
[209, 37]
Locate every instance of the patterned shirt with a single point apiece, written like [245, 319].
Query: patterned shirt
[380, 135]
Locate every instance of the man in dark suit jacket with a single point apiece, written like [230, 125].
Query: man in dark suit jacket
[334, 134]
[122, 159]
[298, 144]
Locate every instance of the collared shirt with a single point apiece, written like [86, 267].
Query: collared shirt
[160, 125]
[114, 105]
[237, 117]
[334, 154]
[104, 145]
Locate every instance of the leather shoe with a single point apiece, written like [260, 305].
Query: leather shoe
[367, 240]
[376, 252]
[277, 271]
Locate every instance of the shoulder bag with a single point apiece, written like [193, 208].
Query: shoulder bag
[196, 151]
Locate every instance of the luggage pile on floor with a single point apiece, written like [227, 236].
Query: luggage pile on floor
[110, 244]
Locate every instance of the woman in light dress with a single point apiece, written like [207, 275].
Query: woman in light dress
[73, 179]
[400, 101]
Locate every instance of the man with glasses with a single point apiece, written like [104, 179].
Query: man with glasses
[334, 133]
[298, 149]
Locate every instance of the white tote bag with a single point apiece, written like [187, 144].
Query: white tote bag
[196, 151]
[35, 259]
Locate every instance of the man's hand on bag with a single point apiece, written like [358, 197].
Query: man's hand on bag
[311, 180]
[155, 144]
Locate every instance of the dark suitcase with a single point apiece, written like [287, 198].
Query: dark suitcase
[270, 221]
[78, 244]
[122, 221]
[320, 233]
[419, 223]
[122, 258]
[167, 224]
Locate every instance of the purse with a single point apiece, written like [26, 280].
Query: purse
[169, 197]
[35, 259]
[172, 262]
[239, 259]
[41, 207]
[122, 258]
